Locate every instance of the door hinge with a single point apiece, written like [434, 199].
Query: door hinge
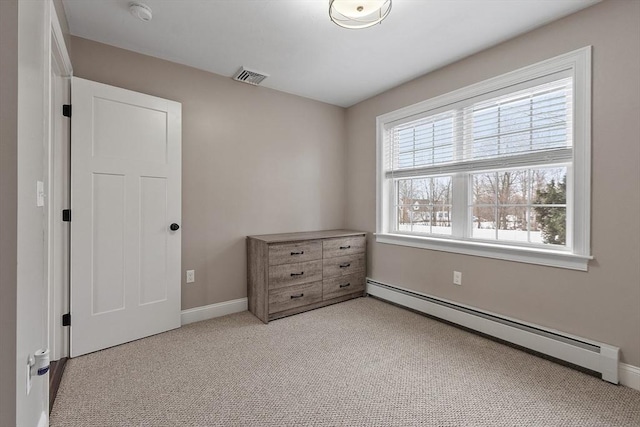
[66, 110]
[66, 215]
[66, 319]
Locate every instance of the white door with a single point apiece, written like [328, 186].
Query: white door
[125, 200]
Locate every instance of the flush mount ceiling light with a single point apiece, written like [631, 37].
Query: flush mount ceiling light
[141, 11]
[356, 14]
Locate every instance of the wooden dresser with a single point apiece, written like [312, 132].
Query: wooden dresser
[294, 272]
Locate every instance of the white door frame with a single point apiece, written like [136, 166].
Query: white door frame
[57, 188]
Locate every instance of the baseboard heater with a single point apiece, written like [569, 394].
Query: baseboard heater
[598, 357]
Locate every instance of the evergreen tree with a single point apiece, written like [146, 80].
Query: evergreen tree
[553, 221]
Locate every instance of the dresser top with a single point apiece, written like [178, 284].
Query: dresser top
[307, 235]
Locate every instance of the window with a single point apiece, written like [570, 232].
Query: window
[497, 169]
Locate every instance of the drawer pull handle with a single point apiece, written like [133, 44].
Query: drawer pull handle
[345, 285]
[345, 265]
[297, 274]
[297, 253]
[297, 296]
[345, 247]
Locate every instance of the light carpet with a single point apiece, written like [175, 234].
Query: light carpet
[359, 363]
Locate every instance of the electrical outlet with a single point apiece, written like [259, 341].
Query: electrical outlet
[191, 276]
[457, 278]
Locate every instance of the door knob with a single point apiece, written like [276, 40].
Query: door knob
[174, 227]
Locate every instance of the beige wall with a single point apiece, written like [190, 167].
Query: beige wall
[603, 304]
[255, 161]
[8, 206]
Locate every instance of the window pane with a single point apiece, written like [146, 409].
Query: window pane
[552, 223]
[522, 205]
[424, 205]
[483, 223]
[423, 157]
[406, 197]
[441, 199]
[442, 154]
[512, 187]
[484, 188]
[549, 204]
[425, 142]
[515, 116]
[532, 120]
[485, 122]
[549, 186]
[550, 109]
[549, 137]
[514, 143]
[512, 224]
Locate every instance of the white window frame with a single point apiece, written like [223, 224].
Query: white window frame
[578, 65]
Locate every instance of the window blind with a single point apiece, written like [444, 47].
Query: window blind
[532, 126]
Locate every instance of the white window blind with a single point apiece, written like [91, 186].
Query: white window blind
[530, 126]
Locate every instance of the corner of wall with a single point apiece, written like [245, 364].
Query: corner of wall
[345, 185]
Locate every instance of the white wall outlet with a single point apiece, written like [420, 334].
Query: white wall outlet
[191, 276]
[457, 278]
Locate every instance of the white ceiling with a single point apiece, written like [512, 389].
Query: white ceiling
[302, 50]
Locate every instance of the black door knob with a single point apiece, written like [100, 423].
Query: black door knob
[174, 227]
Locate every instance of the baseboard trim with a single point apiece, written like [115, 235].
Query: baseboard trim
[55, 377]
[629, 376]
[579, 351]
[214, 310]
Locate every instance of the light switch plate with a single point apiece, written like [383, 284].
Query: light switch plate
[457, 278]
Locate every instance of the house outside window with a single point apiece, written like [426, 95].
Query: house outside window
[498, 169]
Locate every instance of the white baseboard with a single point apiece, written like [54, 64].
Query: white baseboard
[214, 310]
[598, 357]
[629, 376]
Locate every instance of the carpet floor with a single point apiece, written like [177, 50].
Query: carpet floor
[359, 363]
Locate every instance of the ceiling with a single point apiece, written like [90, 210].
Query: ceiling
[303, 52]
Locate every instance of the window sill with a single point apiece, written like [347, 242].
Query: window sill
[548, 258]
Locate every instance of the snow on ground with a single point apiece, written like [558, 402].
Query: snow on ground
[479, 233]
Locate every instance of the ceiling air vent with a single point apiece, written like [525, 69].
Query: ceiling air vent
[249, 76]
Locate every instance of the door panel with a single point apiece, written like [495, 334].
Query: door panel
[125, 174]
[153, 236]
[108, 241]
[140, 135]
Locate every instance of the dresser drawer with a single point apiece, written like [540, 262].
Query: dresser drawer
[294, 296]
[288, 253]
[284, 275]
[344, 265]
[345, 285]
[343, 246]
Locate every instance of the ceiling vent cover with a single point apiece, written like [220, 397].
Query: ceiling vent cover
[249, 76]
